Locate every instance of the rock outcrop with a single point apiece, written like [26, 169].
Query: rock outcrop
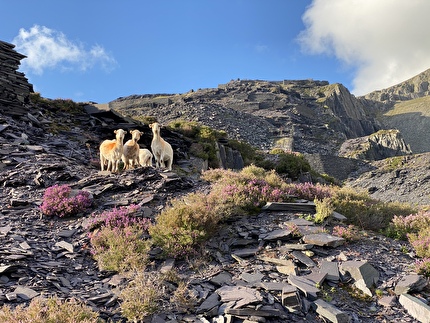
[14, 86]
[380, 145]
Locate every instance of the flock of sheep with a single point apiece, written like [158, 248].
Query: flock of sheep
[113, 151]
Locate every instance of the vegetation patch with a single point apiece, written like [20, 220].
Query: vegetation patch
[61, 201]
[49, 310]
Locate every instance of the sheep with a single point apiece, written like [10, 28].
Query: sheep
[130, 155]
[145, 157]
[161, 149]
[111, 151]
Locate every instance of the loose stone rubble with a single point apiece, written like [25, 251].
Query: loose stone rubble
[256, 270]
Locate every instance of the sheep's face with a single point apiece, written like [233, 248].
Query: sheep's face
[155, 128]
[120, 134]
[135, 135]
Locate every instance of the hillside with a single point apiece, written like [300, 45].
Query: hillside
[412, 118]
[312, 116]
[263, 267]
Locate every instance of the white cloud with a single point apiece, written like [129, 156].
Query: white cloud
[46, 48]
[385, 41]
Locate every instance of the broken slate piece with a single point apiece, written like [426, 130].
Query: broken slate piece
[280, 234]
[304, 207]
[25, 293]
[167, 265]
[305, 285]
[330, 312]
[8, 268]
[246, 252]
[252, 278]
[209, 303]
[242, 295]
[65, 245]
[221, 279]
[331, 269]
[291, 298]
[323, 240]
[300, 256]
[410, 283]
[416, 308]
[361, 270]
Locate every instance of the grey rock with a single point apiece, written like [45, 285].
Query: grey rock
[25, 292]
[330, 312]
[415, 307]
[323, 239]
[330, 268]
[300, 256]
[305, 285]
[410, 283]
[361, 270]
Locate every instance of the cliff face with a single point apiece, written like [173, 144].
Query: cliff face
[380, 145]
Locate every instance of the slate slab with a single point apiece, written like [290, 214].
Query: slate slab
[415, 307]
[361, 270]
[305, 285]
[330, 312]
[324, 240]
[410, 283]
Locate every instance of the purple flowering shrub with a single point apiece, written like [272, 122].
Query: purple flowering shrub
[118, 239]
[416, 229]
[61, 201]
[349, 233]
[119, 218]
[422, 267]
[401, 226]
[421, 242]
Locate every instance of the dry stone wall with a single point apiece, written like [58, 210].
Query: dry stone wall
[14, 86]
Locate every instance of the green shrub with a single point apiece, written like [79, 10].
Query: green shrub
[365, 212]
[324, 209]
[141, 297]
[118, 241]
[412, 223]
[185, 224]
[120, 249]
[50, 310]
[422, 267]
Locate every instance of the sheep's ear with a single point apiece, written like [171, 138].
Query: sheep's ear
[115, 131]
[131, 131]
[151, 125]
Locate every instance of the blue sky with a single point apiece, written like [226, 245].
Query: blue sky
[99, 50]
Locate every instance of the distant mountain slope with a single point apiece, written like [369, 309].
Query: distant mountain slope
[406, 107]
[412, 118]
[415, 87]
[313, 116]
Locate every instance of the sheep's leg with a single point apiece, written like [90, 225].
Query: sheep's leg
[102, 162]
[169, 164]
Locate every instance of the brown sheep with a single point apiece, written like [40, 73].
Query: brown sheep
[111, 151]
[130, 155]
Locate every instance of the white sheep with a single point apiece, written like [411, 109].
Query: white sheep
[130, 155]
[145, 157]
[161, 149]
[111, 151]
